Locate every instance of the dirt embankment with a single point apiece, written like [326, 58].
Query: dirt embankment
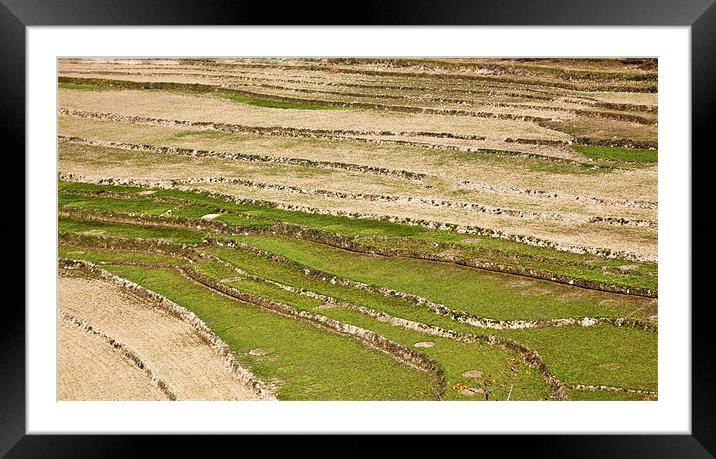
[88, 368]
[116, 346]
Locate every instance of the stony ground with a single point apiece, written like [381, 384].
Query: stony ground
[544, 169]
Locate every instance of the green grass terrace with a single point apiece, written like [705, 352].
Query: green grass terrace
[491, 334]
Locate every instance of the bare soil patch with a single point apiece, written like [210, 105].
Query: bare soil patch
[172, 348]
[637, 240]
[158, 104]
[499, 172]
[472, 374]
[472, 391]
[90, 369]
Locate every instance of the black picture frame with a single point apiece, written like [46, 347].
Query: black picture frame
[700, 15]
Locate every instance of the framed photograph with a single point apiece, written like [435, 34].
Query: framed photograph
[462, 220]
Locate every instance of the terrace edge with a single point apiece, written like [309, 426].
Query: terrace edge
[699, 14]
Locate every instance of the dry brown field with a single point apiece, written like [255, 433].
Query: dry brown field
[93, 369]
[454, 228]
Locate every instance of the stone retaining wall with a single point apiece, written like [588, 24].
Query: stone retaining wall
[124, 350]
[333, 134]
[156, 246]
[193, 254]
[378, 86]
[441, 309]
[434, 202]
[107, 216]
[621, 221]
[362, 136]
[221, 90]
[464, 77]
[620, 390]
[639, 204]
[397, 351]
[530, 357]
[348, 243]
[442, 226]
[242, 374]
[246, 157]
[629, 107]
[618, 143]
[384, 198]
[529, 240]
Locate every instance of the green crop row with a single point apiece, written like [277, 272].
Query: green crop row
[369, 233]
[601, 355]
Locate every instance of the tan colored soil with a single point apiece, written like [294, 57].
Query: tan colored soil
[450, 166]
[173, 106]
[503, 72]
[556, 151]
[171, 348]
[497, 181]
[318, 92]
[635, 98]
[641, 241]
[95, 163]
[88, 368]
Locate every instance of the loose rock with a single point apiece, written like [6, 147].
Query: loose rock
[471, 391]
[472, 374]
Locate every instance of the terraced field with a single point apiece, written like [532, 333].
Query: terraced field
[358, 229]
